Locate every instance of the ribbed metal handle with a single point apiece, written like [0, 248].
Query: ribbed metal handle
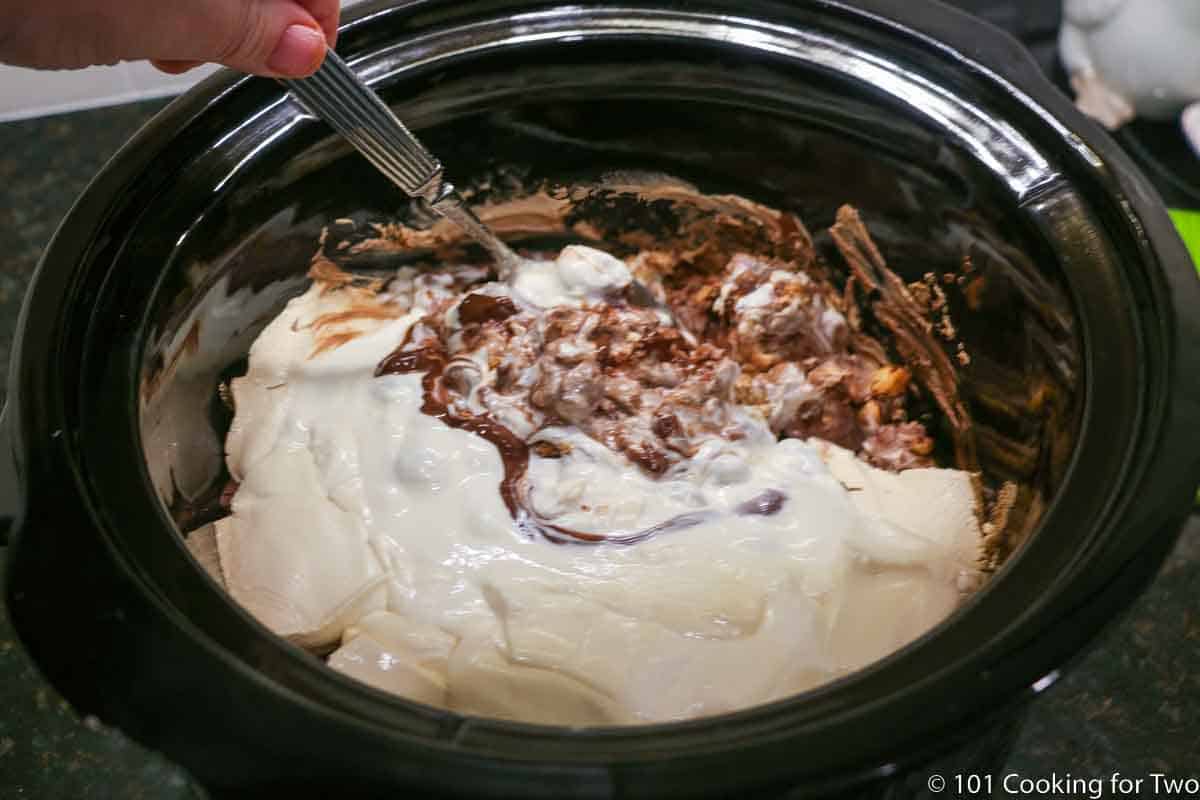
[337, 95]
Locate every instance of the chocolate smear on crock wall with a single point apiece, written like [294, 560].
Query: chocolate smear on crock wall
[898, 311]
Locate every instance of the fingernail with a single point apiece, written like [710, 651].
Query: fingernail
[299, 52]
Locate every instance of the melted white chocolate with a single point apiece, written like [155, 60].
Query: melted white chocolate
[362, 523]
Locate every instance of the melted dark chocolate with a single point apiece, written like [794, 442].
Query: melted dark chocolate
[430, 358]
[478, 308]
[666, 425]
[767, 504]
[557, 533]
[628, 355]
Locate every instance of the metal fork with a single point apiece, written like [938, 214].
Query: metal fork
[339, 97]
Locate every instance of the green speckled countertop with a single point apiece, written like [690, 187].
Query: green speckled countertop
[1131, 705]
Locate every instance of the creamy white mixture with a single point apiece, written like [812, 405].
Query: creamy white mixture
[364, 526]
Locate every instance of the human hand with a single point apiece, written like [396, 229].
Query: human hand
[275, 38]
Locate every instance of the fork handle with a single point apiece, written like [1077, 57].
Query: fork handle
[335, 94]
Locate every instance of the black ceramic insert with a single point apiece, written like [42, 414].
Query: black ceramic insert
[939, 129]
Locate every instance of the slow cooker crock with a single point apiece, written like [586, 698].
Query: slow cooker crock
[936, 126]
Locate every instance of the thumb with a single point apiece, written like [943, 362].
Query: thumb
[274, 38]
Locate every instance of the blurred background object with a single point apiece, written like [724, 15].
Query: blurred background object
[1134, 67]
[1134, 58]
[1149, 48]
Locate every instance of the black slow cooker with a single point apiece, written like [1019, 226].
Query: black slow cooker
[1084, 379]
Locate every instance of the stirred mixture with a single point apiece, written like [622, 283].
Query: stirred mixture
[557, 499]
